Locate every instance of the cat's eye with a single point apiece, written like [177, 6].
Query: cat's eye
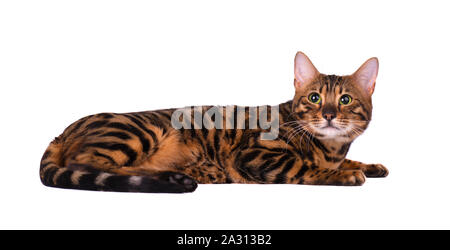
[314, 98]
[345, 100]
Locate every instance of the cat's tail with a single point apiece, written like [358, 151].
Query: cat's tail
[83, 177]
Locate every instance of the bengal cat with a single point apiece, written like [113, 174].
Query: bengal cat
[144, 152]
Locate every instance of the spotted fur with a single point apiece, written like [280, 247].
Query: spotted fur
[142, 152]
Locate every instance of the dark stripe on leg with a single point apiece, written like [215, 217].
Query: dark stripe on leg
[281, 177]
[127, 127]
[109, 158]
[124, 148]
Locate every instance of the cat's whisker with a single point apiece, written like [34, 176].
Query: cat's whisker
[294, 135]
[291, 131]
[290, 123]
[356, 131]
[298, 129]
[301, 146]
[312, 135]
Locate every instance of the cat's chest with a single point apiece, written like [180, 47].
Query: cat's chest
[330, 163]
[331, 154]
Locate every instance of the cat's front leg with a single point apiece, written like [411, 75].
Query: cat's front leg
[370, 170]
[336, 177]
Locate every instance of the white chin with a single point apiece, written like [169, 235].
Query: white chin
[330, 132]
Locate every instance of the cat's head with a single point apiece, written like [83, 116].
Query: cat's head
[330, 106]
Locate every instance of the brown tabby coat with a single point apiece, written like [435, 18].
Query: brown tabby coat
[142, 152]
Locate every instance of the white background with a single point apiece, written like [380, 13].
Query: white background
[62, 60]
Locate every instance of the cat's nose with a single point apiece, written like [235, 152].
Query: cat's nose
[329, 116]
[329, 112]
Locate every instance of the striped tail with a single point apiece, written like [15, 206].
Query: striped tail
[88, 178]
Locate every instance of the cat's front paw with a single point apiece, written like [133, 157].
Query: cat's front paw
[376, 171]
[347, 178]
[353, 178]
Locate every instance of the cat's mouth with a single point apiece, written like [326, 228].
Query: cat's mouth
[334, 129]
[330, 130]
[330, 126]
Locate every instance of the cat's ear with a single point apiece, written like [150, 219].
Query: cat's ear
[366, 75]
[305, 72]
